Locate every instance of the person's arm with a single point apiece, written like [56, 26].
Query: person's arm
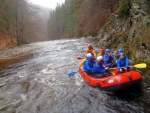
[103, 71]
[86, 53]
[82, 62]
[112, 57]
[99, 54]
[118, 64]
[105, 59]
[94, 53]
[127, 62]
[94, 61]
[99, 69]
[87, 65]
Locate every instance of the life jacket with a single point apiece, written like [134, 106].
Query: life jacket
[87, 66]
[108, 59]
[100, 54]
[92, 51]
[123, 62]
[82, 62]
[99, 68]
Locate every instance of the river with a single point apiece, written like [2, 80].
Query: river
[40, 84]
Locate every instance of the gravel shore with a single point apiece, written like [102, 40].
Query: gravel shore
[10, 52]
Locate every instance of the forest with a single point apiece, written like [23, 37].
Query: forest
[77, 18]
[22, 22]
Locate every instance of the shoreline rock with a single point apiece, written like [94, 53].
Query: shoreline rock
[12, 55]
[130, 32]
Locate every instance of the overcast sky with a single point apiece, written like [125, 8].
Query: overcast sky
[47, 3]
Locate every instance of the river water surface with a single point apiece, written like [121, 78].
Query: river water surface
[40, 84]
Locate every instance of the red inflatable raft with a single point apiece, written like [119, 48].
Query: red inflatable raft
[115, 82]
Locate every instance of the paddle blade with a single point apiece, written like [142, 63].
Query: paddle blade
[79, 58]
[72, 74]
[143, 65]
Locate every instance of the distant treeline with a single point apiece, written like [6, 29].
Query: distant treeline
[80, 17]
[20, 20]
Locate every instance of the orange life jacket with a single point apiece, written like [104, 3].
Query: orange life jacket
[92, 51]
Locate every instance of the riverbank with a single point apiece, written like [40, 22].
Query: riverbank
[15, 51]
[12, 55]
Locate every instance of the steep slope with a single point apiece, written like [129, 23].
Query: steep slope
[129, 28]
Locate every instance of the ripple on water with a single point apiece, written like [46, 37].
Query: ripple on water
[42, 84]
[22, 74]
[79, 80]
[48, 71]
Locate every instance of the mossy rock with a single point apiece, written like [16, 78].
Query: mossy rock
[148, 77]
[148, 61]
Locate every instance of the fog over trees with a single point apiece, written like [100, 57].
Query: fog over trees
[77, 18]
[23, 22]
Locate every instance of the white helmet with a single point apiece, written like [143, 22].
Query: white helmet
[89, 54]
[99, 58]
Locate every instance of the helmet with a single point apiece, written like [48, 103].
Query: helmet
[99, 58]
[89, 54]
[90, 46]
[120, 50]
[103, 50]
[122, 54]
[90, 57]
[107, 50]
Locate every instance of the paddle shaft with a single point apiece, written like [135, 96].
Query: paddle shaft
[120, 67]
[142, 65]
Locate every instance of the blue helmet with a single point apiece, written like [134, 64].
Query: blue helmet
[122, 54]
[90, 57]
[120, 50]
[107, 50]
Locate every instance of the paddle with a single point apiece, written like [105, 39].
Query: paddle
[142, 65]
[72, 73]
[79, 58]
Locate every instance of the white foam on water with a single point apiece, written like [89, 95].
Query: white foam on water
[23, 97]
[78, 90]
[48, 71]
[79, 80]
[2, 84]
[22, 74]
[50, 65]
[59, 83]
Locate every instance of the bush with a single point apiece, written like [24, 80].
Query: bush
[124, 9]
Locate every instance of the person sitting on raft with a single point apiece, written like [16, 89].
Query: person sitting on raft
[102, 52]
[123, 63]
[82, 62]
[108, 59]
[99, 69]
[88, 64]
[90, 50]
[119, 51]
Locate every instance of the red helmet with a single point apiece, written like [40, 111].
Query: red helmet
[90, 46]
[103, 50]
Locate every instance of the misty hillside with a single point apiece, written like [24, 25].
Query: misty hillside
[80, 17]
[112, 22]
[22, 22]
